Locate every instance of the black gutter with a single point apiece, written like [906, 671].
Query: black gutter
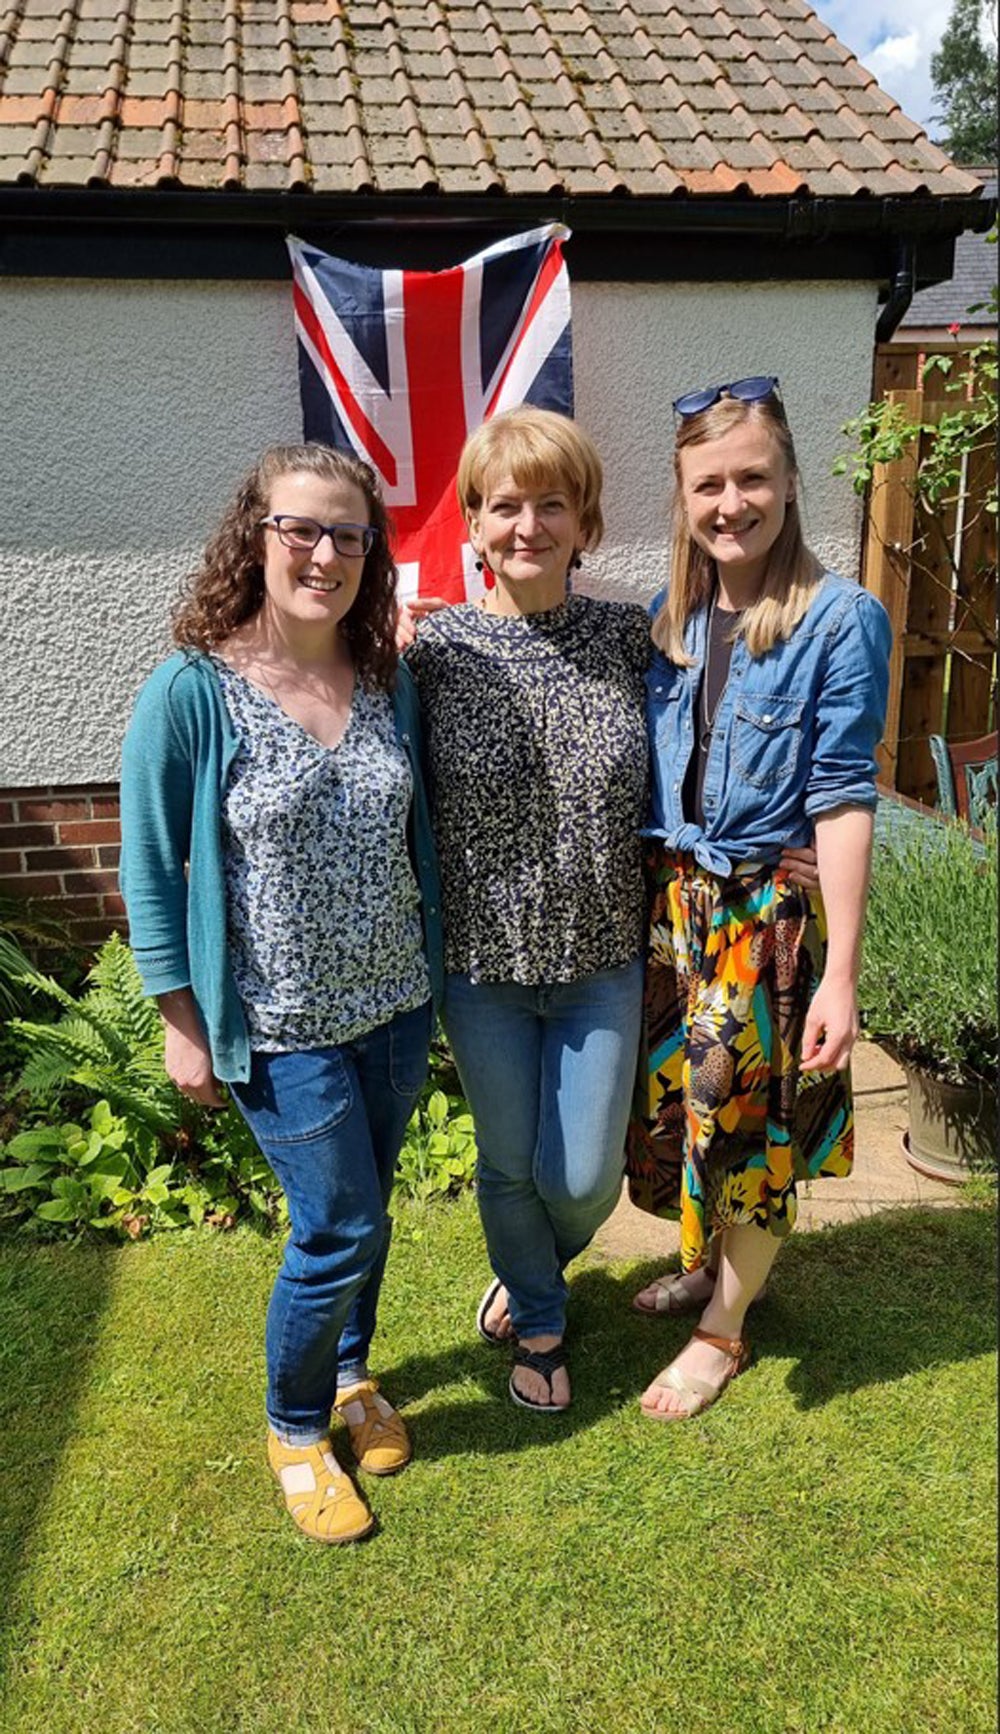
[791, 219]
[901, 293]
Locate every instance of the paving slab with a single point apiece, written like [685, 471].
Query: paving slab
[882, 1178]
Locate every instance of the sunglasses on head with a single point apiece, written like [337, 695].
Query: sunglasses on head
[753, 390]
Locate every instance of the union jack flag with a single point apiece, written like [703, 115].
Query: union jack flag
[399, 367]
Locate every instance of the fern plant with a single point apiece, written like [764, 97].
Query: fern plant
[149, 1158]
[109, 1043]
[23, 923]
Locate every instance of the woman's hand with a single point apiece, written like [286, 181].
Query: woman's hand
[409, 615]
[186, 1056]
[802, 867]
[831, 1027]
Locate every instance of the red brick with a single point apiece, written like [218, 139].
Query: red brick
[73, 906]
[33, 885]
[90, 831]
[109, 855]
[10, 861]
[38, 861]
[93, 932]
[6, 812]
[27, 836]
[36, 807]
[114, 903]
[72, 883]
[106, 806]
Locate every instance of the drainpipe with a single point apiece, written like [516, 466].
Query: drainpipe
[901, 293]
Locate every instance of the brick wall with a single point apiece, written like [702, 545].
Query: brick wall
[62, 844]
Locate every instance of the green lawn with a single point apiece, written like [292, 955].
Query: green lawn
[815, 1553]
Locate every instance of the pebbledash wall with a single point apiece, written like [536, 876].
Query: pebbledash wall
[130, 411]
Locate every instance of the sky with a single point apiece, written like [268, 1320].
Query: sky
[895, 40]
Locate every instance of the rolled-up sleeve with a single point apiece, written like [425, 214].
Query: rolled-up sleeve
[850, 707]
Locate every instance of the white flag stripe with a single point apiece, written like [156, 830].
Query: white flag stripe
[548, 326]
[388, 413]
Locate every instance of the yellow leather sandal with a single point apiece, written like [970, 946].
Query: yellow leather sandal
[379, 1440]
[319, 1497]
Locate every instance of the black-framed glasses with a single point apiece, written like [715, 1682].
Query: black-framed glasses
[752, 390]
[352, 541]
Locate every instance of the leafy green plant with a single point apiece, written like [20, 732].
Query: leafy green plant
[118, 1178]
[109, 1043]
[147, 1158]
[439, 1153]
[928, 987]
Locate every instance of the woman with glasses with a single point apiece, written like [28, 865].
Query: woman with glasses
[281, 887]
[765, 700]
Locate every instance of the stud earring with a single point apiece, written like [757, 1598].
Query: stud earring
[576, 564]
[479, 565]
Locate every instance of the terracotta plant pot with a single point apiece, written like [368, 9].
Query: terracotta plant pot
[953, 1127]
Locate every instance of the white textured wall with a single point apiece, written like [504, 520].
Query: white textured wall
[129, 410]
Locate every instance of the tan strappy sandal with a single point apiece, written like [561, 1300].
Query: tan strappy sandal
[319, 1497]
[672, 1297]
[379, 1440]
[698, 1394]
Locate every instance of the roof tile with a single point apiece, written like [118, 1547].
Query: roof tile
[639, 97]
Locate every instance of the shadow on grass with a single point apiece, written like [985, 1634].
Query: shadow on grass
[854, 1305]
[870, 1301]
[51, 1302]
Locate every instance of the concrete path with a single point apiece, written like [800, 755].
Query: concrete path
[882, 1178]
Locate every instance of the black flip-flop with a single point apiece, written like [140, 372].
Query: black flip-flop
[484, 1306]
[546, 1362]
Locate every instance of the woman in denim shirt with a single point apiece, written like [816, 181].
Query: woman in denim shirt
[766, 699]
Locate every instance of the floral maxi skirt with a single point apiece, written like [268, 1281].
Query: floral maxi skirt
[723, 1123]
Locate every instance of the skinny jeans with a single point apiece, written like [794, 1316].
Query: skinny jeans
[331, 1122]
[548, 1071]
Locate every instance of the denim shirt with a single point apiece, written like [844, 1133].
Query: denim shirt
[795, 732]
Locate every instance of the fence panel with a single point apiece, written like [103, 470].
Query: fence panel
[936, 575]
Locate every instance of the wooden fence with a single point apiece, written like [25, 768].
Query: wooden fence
[937, 576]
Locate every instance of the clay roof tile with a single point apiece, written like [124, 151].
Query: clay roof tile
[640, 97]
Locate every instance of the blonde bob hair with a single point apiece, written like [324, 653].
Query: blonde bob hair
[793, 573]
[537, 449]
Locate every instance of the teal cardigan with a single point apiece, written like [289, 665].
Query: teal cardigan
[178, 749]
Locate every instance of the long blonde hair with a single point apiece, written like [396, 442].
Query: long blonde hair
[793, 573]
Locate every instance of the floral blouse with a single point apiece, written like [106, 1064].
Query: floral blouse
[538, 773]
[323, 909]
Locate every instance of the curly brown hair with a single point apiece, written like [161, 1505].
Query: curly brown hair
[227, 587]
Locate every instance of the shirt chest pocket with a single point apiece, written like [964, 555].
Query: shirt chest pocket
[767, 738]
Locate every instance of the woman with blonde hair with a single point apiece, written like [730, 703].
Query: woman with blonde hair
[766, 699]
[279, 874]
[533, 709]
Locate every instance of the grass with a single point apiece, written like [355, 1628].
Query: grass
[816, 1553]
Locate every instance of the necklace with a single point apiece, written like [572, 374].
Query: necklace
[709, 716]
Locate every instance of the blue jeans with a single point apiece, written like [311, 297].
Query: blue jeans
[331, 1122]
[549, 1073]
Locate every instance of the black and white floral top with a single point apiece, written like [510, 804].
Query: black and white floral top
[323, 911]
[538, 767]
